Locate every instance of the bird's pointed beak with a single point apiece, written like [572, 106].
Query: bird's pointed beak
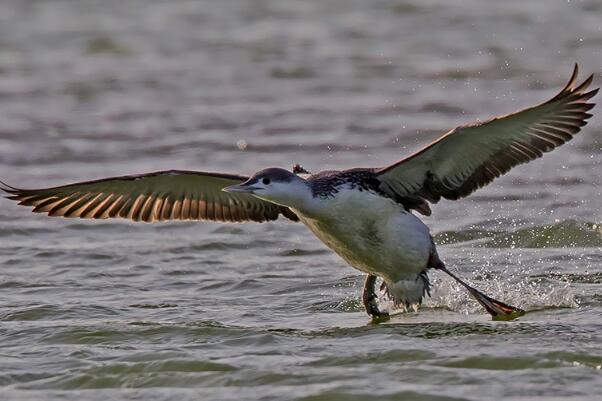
[241, 188]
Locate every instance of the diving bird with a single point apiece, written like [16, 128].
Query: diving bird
[368, 216]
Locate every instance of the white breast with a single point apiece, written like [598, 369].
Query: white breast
[372, 233]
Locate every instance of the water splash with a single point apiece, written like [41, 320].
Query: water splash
[529, 295]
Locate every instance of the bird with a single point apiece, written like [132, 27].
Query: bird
[368, 216]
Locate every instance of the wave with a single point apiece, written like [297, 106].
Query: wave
[564, 234]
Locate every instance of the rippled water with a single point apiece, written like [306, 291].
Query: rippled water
[188, 311]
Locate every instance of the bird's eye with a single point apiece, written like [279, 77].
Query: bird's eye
[266, 181]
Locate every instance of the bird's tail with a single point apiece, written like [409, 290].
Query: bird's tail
[409, 293]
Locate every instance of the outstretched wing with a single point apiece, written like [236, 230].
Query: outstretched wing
[470, 157]
[164, 195]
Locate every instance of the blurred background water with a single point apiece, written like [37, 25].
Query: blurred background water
[188, 311]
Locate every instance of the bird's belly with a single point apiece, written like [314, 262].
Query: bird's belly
[388, 242]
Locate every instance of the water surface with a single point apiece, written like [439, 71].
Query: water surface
[188, 311]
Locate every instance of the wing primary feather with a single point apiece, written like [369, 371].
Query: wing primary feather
[99, 213]
[175, 209]
[59, 208]
[81, 202]
[210, 212]
[32, 200]
[134, 212]
[166, 208]
[203, 209]
[147, 208]
[186, 207]
[194, 208]
[155, 208]
[124, 211]
[162, 195]
[91, 208]
[587, 82]
[226, 212]
[469, 157]
[569, 84]
[116, 206]
[45, 204]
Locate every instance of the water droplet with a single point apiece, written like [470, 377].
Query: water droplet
[241, 144]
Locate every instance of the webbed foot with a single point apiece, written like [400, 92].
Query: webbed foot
[497, 309]
[370, 300]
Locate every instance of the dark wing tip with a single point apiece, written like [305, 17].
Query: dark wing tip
[590, 94]
[573, 91]
[572, 79]
[8, 188]
[12, 193]
[587, 82]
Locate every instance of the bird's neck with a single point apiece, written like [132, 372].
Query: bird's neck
[296, 195]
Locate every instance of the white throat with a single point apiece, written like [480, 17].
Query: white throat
[296, 194]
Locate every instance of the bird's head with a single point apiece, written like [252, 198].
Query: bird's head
[276, 185]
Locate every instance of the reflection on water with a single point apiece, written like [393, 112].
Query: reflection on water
[186, 311]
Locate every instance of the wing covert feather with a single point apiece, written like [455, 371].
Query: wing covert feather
[159, 196]
[470, 157]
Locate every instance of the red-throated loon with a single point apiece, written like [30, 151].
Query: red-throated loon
[363, 214]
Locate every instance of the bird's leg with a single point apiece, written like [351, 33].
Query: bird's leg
[497, 309]
[370, 298]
